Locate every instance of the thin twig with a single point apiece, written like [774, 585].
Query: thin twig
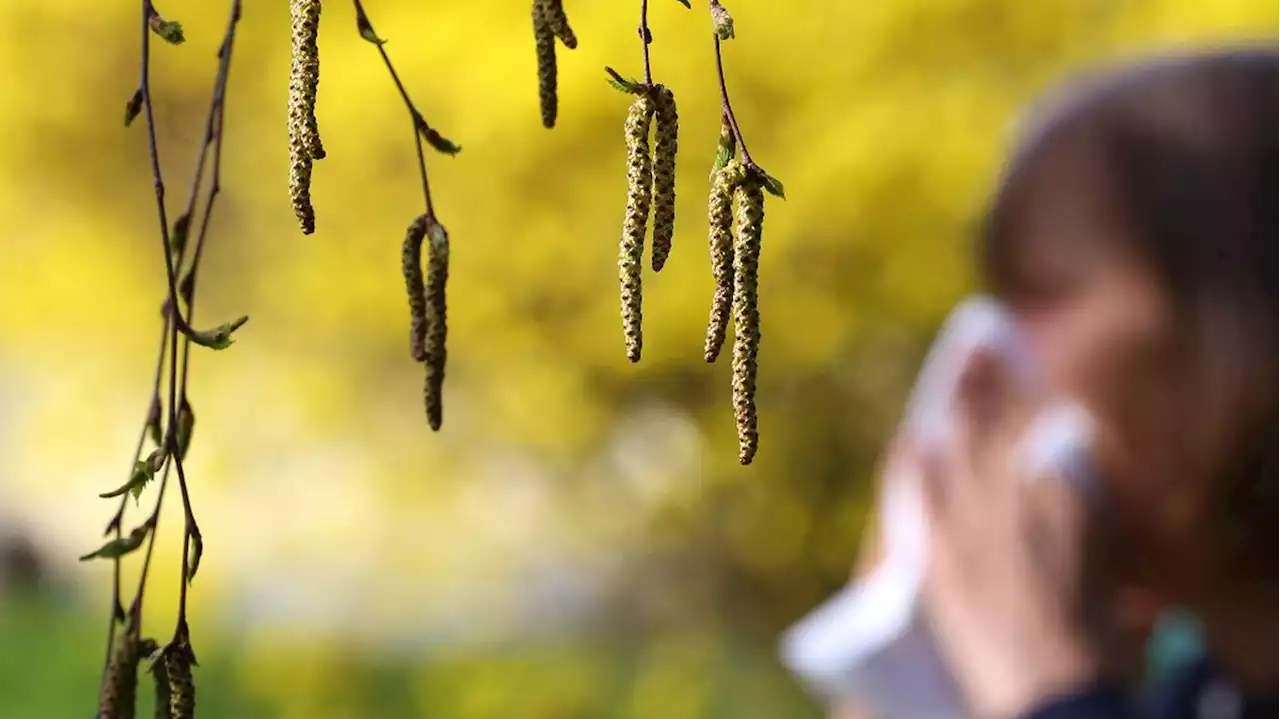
[646, 37]
[726, 108]
[420, 125]
[173, 314]
[114, 526]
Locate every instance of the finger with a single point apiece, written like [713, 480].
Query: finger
[1052, 517]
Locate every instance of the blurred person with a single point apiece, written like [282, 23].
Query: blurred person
[1133, 239]
[21, 566]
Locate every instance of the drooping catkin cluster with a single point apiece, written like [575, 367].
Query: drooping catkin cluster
[631, 247]
[178, 661]
[651, 184]
[720, 220]
[549, 23]
[748, 199]
[304, 135]
[117, 697]
[428, 307]
[664, 175]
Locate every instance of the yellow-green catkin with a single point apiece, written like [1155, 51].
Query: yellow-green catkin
[631, 247]
[553, 12]
[749, 207]
[437, 323]
[160, 676]
[304, 78]
[411, 266]
[664, 174]
[178, 660]
[545, 43]
[720, 221]
[117, 696]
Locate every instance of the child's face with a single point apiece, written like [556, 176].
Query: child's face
[1108, 335]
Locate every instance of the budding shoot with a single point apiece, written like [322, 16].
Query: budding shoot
[631, 247]
[749, 206]
[664, 175]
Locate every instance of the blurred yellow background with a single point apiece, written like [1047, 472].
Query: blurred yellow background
[579, 540]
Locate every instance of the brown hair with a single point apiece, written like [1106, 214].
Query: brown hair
[1187, 145]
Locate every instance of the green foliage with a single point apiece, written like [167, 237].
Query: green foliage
[119, 547]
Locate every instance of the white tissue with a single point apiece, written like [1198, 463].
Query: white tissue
[870, 643]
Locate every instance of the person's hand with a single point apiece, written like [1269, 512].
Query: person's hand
[1004, 585]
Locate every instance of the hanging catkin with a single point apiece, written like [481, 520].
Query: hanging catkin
[182, 687]
[631, 247]
[311, 75]
[118, 694]
[749, 206]
[437, 328]
[664, 174]
[553, 12]
[545, 43]
[160, 675]
[720, 220]
[411, 266]
[304, 142]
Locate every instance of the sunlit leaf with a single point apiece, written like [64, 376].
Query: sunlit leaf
[218, 338]
[119, 547]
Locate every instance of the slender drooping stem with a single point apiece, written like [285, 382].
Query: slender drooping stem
[174, 320]
[114, 526]
[420, 126]
[646, 37]
[726, 108]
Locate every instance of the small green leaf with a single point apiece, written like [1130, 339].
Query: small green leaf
[119, 547]
[774, 186]
[178, 236]
[186, 425]
[133, 107]
[624, 84]
[142, 473]
[218, 338]
[197, 550]
[170, 30]
[366, 28]
[153, 421]
[722, 21]
[725, 151]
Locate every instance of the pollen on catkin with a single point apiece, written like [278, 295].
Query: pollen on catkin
[411, 266]
[118, 694]
[303, 78]
[631, 247]
[545, 42]
[160, 676]
[182, 687]
[305, 16]
[553, 12]
[749, 207]
[437, 327]
[720, 221]
[664, 174]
